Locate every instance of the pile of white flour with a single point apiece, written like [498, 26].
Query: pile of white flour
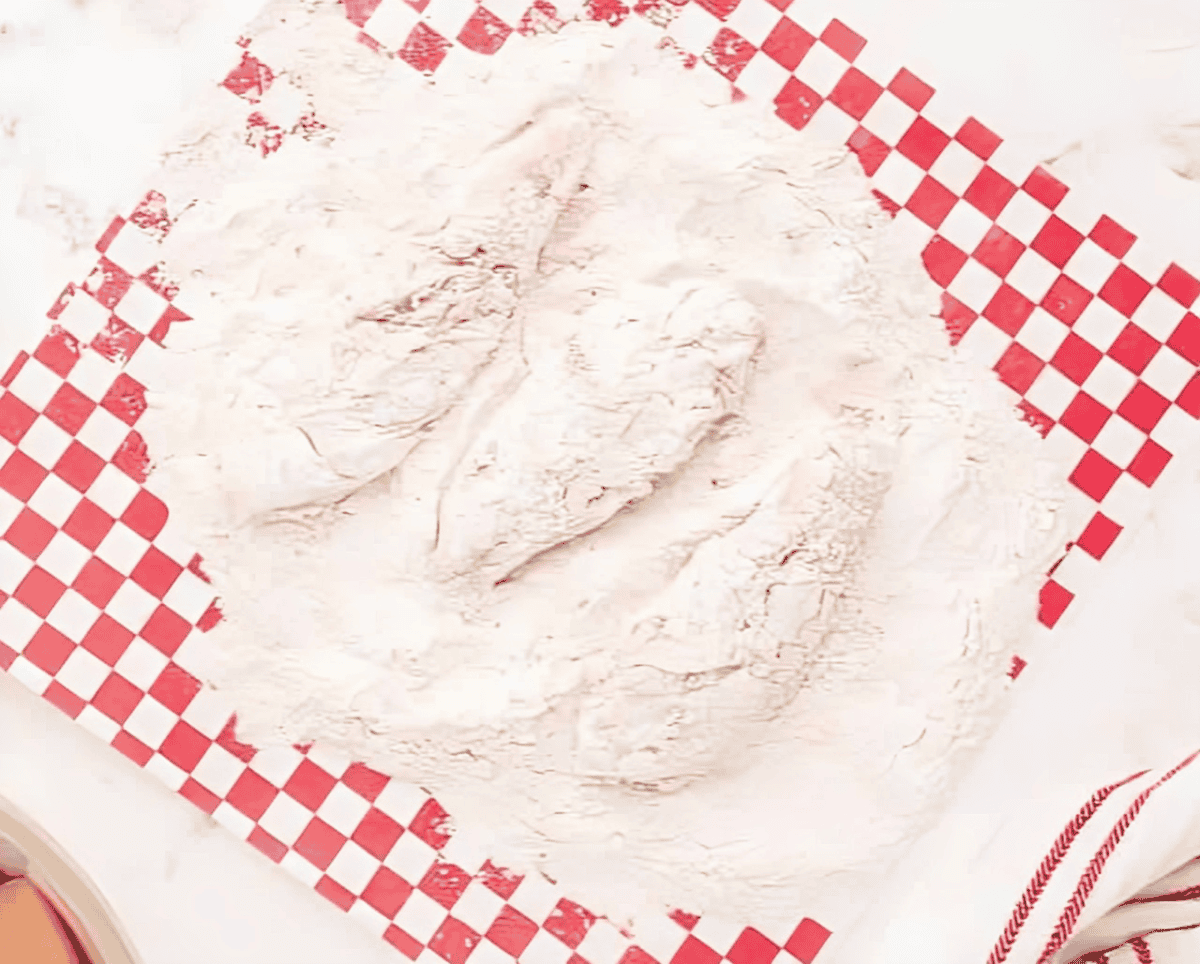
[584, 447]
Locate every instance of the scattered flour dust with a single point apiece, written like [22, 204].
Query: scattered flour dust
[583, 447]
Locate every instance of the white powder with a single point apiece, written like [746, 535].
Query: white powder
[584, 447]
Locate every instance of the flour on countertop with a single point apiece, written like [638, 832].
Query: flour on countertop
[584, 447]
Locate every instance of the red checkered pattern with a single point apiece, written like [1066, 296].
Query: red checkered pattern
[103, 606]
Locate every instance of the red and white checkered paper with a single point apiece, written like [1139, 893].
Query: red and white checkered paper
[103, 606]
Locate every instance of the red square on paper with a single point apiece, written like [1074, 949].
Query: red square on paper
[40, 592]
[97, 582]
[788, 43]
[694, 951]
[251, 795]
[1113, 238]
[842, 40]
[1053, 601]
[156, 572]
[425, 49]
[1125, 290]
[117, 698]
[1066, 299]
[1148, 464]
[512, 931]
[1085, 417]
[79, 466]
[1185, 339]
[165, 630]
[931, 202]
[1143, 407]
[454, 941]
[752, 948]
[126, 399]
[797, 103]
[263, 842]
[807, 940]
[146, 514]
[977, 139]
[501, 882]
[184, 746]
[1018, 367]
[855, 93]
[88, 524]
[923, 143]
[1076, 358]
[49, 649]
[30, 533]
[107, 639]
[1008, 310]
[869, 149]
[990, 192]
[484, 32]
[998, 251]
[1099, 536]
[15, 417]
[569, 922]
[386, 892]
[1180, 285]
[319, 843]
[175, 688]
[942, 260]
[1095, 475]
[309, 785]
[729, 53]
[1044, 187]
[1134, 348]
[957, 317]
[445, 883]
[1189, 398]
[364, 781]
[1057, 242]
[20, 476]
[59, 350]
[377, 833]
[430, 825]
[910, 89]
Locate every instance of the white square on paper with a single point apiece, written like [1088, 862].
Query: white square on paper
[72, 615]
[401, 801]
[488, 953]
[889, 118]
[658, 935]
[1127, 501]
[45, 442]
[285, 819]
[33, 678]
[535, 897]
[1119, 441]
[1168, 373]
[956, 167]
[235, 821]
[84, 317]
[93, 375]
[218, 770]
[545, 948]
[1175, 431]
[10, 508]
[189, 596]
[276, 764]
[821, 68]
[133, 249]
[985, 343]
[329, 760]
[694, 29]
[1159, 315]
[368, 917]
[35, 384]
[468, 849]
[448, 17]
[411, 858]
[1051, 392]
[1042, 334]
[1077, 571]
[974, 286]
[343, 809]
[603, 943]
[141, 663]
[831, 123]
[1011, 162]
[478, 907]
[103, 433]
[301, 869]
[168, 774]
[208, 711]
[965, 227]
[112, 491]
[1109, 383]
[353, 867]
[150, 722]
[754, 20]
[1023, 217]
[1146, 260]
[510, 11]
[762, 78]
[1032, 275]
[1099, 324]
[716, 933]
[1091, 265]
[122, 548]
[14, 566]
[54, 500]
[99, 725]
[420, 916]
[141, 308]
[17, 623]
[897, 177]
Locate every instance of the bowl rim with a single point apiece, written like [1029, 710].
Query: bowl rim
[31, 851]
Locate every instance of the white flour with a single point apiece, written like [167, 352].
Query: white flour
[584, 447]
